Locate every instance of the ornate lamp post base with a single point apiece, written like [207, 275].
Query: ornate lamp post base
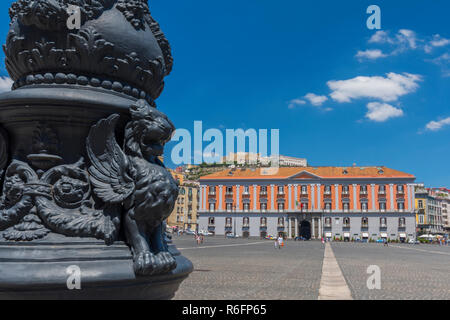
[84, 193]
[40, 271]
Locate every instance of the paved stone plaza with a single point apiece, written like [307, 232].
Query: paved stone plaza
[253, 269]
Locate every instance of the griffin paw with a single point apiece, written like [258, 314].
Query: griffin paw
[145, 263]
[168, 261]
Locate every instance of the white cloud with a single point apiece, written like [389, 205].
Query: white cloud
[315, 99]
[5, 84]
[443, 61]
[296, 102]
[370, 54]
[380, 112]
[381, 37]
[438, 41]
[388, 88]
[407, 36]
[437, 125]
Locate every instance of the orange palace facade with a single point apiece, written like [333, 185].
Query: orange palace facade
[312, 202]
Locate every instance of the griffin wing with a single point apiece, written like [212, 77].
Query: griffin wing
[110, 172]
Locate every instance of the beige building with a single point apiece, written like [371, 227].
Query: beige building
[184, 215]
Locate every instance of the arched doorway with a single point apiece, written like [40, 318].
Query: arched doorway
[305, 229]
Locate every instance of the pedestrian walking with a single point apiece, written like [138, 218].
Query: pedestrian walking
[280, 242]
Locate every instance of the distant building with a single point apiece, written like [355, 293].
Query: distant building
[430, 204]
[185, 214]
[312, 202]
[243, 158]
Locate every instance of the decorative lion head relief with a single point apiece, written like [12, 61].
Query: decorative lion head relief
[71, 185]
[148, 132]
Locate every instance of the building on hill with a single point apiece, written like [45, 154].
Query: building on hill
[312, 202]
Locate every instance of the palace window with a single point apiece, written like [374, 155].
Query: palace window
[263, 222]
[401, 222]
[212, 191]
[228, 222]
[246, 189]
[382, 206]
[246, 207]
[363, 189]
[364, 206]
[229, 190]
[211, 221]
[263, 206]
[383, 222]
[401, 206]
[346, 206]
[280, 206]
[328, 222]
[327, 189]
[345, 190]
[304, 189]
[229, 207]
[280, 189]
[246, 222]
[281, 222]
[400, 189]
[212, 207]
[382, 189]
[346, 222]
[364, 222]
[263, 190]
[327, 206]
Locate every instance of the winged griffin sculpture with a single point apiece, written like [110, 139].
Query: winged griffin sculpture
[136, 178]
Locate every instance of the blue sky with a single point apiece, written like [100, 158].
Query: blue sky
[339, 92]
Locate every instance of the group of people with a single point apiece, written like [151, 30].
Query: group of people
[199, 238]
[279, 242]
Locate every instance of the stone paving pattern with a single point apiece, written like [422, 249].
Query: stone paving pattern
[241, 269]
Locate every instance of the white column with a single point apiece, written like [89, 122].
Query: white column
[220, 197]
[320, 226]
[313, 231]
[313, 198]
[355, 205]
[290, 197]
[413, 198]
[319, 205]
[336, 196]
[295, 196]
[391, 192]
[373, 197]
[201, 197]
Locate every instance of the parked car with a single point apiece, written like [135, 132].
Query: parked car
[190, 232]
[205, 233]
[300, 239]
[231, 235]
[380, 241]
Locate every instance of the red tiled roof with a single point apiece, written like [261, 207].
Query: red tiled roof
[306, 172]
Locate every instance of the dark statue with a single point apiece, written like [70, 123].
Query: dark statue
[72, 192]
